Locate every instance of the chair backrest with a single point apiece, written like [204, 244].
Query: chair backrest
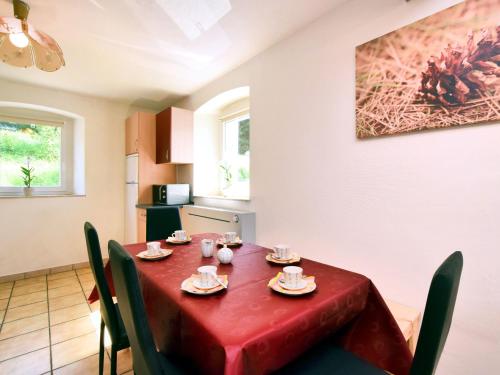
[161, 222]
[109, 312]
[437, 315]
[145, 357]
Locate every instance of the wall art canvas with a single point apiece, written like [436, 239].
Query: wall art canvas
[438, 72]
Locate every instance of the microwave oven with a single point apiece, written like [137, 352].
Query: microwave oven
[171, 194]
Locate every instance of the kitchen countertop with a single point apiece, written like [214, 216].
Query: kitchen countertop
[152, 205]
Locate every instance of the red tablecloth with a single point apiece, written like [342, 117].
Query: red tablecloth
[249, 329]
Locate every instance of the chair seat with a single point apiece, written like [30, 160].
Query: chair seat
[327, 359]
[408, 319]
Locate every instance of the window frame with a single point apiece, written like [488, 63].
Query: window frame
[66, 171]
[239, 118]
[234, 117]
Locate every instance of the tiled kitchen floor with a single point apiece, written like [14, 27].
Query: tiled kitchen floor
[47, 327]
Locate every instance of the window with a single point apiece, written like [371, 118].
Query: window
[52, 141]
[36, 145]
[235, 164]
[44, 140]
[221, 139]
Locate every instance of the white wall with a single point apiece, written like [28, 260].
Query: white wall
[391, 208]
[207, 153]
[43, 232]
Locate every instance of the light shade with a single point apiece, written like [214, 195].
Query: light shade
[41, 51]
[20, 40]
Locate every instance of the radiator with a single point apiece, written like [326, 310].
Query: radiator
[199, 219]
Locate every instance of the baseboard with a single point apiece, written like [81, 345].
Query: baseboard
[42, 272]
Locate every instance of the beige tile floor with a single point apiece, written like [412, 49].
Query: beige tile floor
[47, 327]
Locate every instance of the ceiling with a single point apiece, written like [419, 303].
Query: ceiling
[137, 51]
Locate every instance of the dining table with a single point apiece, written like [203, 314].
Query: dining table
[249, 328]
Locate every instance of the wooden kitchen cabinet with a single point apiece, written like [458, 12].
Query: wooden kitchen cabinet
[174, 136]
[141, 225]
[132, 134]
[140, 138]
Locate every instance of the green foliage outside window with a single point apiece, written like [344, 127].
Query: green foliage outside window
[244, 137]
[40, 143]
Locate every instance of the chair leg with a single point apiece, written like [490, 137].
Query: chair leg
[113, 360]
[101, 349]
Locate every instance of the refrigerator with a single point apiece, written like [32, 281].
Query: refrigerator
[131, 196]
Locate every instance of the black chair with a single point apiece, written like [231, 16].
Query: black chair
[147, 360]
[161, 222]
[332, 360]
[110, 314]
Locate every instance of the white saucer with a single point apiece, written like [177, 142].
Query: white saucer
[163, 254]
[177, 242]
[302, 285]
[188, 286]
[294, 259]
[222, 242]
[197, 284]
[279, 287]
[283, 259]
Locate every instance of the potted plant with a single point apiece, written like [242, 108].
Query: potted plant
[28, 177]
[227, 175]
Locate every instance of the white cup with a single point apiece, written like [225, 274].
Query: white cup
[230, 237]
[207, 247]
[207, 275]
[292, 276]
[180, 235]
[153, 248]
[282, 251]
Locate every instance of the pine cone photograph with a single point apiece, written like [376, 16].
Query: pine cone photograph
[439, 72]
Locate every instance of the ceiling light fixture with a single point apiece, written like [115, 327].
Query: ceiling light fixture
[23, 46]
[20, 40]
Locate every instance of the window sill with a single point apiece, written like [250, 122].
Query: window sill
[247, 199]
[51, 195]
